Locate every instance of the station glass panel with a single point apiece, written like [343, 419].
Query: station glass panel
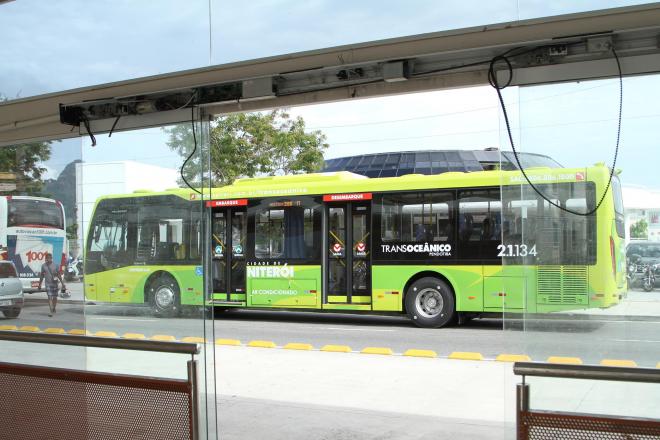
[587, 294]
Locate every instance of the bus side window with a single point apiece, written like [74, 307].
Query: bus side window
[555, 236]
[443, 229]
[195, 237]
[146, 243]
[284, 229]
[465, 226]
[180, 251]
[425, 217]
[390, 229]
[479, 224]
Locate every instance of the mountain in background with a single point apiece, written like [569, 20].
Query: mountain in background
[64, 189]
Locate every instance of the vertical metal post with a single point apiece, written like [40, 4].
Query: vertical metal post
[325, 262]
[348, 250]
[522, 407]
[194, 399]
[206, 179]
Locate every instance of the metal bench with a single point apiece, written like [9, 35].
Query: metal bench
[544, 424]
[39, 402]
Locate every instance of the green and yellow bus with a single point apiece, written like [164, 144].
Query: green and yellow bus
[434, 247]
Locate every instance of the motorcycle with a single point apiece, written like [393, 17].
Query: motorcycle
[631, 274]
[74, 269]
[648, 278]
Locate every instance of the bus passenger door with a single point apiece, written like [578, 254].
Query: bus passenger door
[229, 235]
[347, 261]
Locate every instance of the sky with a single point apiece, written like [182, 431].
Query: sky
[71, 43]
[74, 43]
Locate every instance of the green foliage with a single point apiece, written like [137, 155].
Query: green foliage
[251, 144]
[72, 231]
[639, 229]
[25, 161]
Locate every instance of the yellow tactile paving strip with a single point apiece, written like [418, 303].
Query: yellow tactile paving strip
[413, 352]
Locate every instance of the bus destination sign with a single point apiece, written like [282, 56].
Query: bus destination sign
[346, 197]
[226, 203]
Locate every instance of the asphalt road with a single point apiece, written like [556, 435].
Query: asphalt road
[589, 337]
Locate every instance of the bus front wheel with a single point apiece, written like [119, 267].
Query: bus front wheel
[430, 303]
[164, 297]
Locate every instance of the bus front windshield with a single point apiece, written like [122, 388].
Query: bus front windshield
[34, 213]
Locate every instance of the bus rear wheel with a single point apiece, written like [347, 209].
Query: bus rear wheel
[430, 303]
[164, 297]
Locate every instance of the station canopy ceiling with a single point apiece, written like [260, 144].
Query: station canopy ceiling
[537, 51]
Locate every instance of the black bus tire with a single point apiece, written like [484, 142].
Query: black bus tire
[165, 297]
[430, 303]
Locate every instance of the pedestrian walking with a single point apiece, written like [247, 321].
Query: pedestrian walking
[51, 274]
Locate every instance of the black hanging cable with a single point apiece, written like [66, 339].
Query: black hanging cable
[85, 122]
[114, 125]
[192, 120]
[492, 79]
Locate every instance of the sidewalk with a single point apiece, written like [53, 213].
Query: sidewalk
[287, 394]
[473, 391]
[291, 394]
[302, 395]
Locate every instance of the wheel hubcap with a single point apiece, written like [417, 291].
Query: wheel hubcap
[164, 297]
[429, 303]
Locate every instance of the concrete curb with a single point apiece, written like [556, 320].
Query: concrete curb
[565, 360]
[377, 350]
[421, 353]
[133, 336]
[262, 344]
[234, 342]
[466, 356]
[298, 346]
[337, 348]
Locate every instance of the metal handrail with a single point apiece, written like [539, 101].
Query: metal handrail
[123, 344]
[95, 341]
[590, 372]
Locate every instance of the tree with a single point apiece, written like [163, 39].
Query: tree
[639, 229]
[25, 161]
[251, 144]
